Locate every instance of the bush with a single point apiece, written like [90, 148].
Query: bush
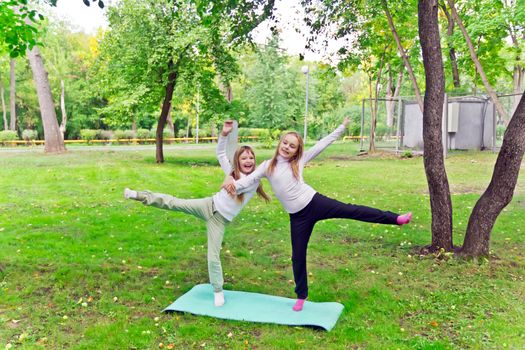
[381, 129]
[105, 135]
[181, 133]
[29, 135]
[8, 135]
[145, 134]
[89, 134]
[124, 134]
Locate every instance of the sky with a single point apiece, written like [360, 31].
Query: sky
[289, 12]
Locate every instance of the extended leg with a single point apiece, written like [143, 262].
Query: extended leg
[201, 208]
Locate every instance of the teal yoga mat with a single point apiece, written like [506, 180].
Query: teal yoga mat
[255, 307]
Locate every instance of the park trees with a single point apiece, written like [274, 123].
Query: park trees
[153, 44]
[504, 178]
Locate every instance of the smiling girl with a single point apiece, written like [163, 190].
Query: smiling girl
[305, 205]
[217, 210]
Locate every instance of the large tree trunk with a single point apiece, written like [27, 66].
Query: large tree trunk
[166, 106]
[501, 188]
[54, 143]
[402, 52]
[499, 107]
[440, 201]
[4, 111]
[451, 50]
[12, 94]
[63, 122]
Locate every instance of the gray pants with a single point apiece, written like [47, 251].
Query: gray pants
[203, 209]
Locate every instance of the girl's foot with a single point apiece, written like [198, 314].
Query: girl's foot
[404, 219]
[219, 298]
[130, 194]
[299, 305]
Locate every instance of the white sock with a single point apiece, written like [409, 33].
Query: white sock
[219, 298]
[130, 194]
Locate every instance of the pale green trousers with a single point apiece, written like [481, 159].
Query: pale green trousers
[204, 209]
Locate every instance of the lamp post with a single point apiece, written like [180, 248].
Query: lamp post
[306, 71]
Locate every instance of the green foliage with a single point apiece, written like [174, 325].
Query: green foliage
[29, 135]
[145, 134]
[89, 134]
[17, 35]
[8, 135]
[123, 134]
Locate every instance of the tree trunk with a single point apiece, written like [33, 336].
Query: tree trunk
[4, 111]
[451, 50]
[372, 143]
[440, 201]
[393, 98]
[403, 56]
[12, 94]
[388, 96]
[518, 77]
[63, 122]
[501, 188]
[54, 143]
[166, 106]
[474, 57]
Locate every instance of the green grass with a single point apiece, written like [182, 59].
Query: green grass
[82, 268]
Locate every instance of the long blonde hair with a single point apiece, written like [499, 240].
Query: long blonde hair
[294, 161]
[236, 172]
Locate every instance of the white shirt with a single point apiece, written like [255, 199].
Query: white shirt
[294, 194]
[225, 204]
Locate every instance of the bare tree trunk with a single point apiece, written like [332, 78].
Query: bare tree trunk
[440, 202]
[63, 122]
[54, 143]
[393, 98]
[4, 111]
[501, 188]
[388, 96]
[451, 49]
[372, 144]
[166, 106]
[402, 52]
[499, 107]
[518, 77]
[12, 94]
[374, 103]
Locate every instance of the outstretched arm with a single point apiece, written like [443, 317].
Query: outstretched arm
[325, 141]
[222, 157]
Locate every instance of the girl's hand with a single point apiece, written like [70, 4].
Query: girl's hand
[229, 185]
[346, 121]
[227, 127]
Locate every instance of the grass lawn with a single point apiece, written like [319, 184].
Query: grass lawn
[82, 268]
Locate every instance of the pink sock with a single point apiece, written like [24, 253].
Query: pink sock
[404, 219]
[298, 305]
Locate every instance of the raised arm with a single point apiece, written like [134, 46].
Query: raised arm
[222, 157]
[325, 141]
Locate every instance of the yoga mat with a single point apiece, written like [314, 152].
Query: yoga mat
[255, 307]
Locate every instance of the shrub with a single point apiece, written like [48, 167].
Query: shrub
[29, 135]
[8, 135]
[144, 134]
[89, 134]
[105, 135]
[124, 134]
